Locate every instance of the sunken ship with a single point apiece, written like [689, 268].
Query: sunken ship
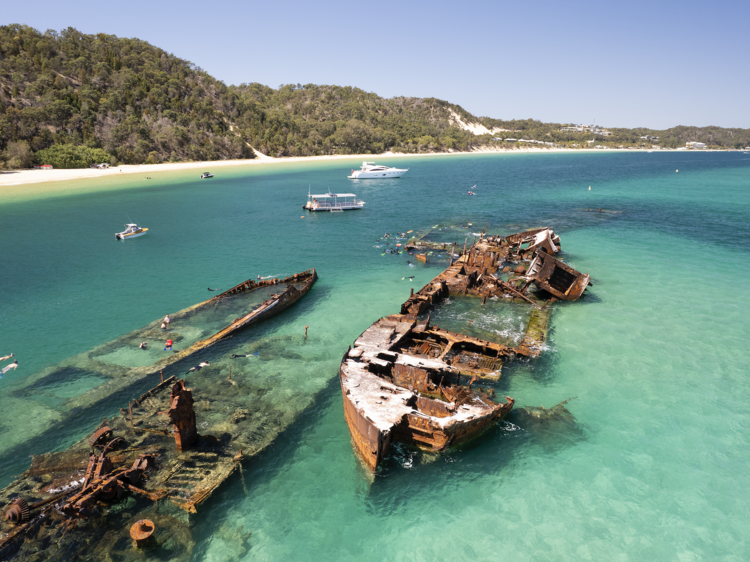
[124, 490]
[405, 380]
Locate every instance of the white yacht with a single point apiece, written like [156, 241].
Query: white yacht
[131, 231]
[206, 175]
[333, 202]
[370, 171]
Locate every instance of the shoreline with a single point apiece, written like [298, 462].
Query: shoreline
[14, 178]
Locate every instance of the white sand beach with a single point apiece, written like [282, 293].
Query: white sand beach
[9, 178]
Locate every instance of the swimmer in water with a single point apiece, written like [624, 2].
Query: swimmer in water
[144, 345]
[210, 289]
[8, 367]
[199, 366]
[6, 357]
[236, 355]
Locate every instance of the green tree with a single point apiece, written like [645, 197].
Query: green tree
[18, 155]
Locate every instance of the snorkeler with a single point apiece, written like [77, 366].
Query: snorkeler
[8, 367]
[199, 366]
[210, 289]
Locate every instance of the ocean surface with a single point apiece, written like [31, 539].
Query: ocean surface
[655, 357]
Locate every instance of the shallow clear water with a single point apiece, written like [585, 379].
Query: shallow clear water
[655, 467]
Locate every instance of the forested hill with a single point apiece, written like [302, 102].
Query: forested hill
[72, 99]
[141, 104]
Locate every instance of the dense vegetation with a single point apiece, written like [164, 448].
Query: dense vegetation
[308, 120]
[134, 101]
[72, 99]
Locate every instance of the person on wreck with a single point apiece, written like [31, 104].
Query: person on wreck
[168, 347]
[167, 320]
[144, 345]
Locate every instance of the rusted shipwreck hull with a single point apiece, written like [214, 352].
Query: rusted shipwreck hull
[206, 323]
[406, 381]
[557, 278]
[152, 451]
[273, 305]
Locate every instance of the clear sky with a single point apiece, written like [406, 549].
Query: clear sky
[625, 64]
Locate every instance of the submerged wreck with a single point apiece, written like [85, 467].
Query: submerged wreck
[121, 366]
[406, 381]
[130, 483]
[152, 451]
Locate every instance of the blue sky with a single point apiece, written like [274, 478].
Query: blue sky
[626, 64]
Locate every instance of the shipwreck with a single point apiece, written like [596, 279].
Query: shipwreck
[404, 380]
[121, 366]
[126, 488]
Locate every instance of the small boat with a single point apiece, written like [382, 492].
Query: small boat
[131, 231]
[206, 175]
[370, 171]
[333, 202]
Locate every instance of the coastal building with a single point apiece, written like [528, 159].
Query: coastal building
[586, 129]
[44, 167]
[511, 140]
[695, 145]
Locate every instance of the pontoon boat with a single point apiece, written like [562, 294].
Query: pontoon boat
[333, 202]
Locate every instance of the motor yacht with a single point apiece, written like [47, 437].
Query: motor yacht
[131, 231]
[370, 171]
[206, 175]
[333, 202]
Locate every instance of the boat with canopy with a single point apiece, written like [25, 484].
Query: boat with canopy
[333, 202]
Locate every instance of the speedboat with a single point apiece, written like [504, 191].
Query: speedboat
[370, 171]
[333, 202]
[131, 231]
[206, 175]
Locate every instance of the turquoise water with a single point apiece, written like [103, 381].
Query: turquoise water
[655, 467]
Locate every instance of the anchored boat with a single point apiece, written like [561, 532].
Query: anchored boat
[333, 202]
[131, 231]
[370, 171]
[206, 175]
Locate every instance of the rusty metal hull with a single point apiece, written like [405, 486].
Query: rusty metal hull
[401, 381]
[556, 277]
[152, 450]
[116, 378]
